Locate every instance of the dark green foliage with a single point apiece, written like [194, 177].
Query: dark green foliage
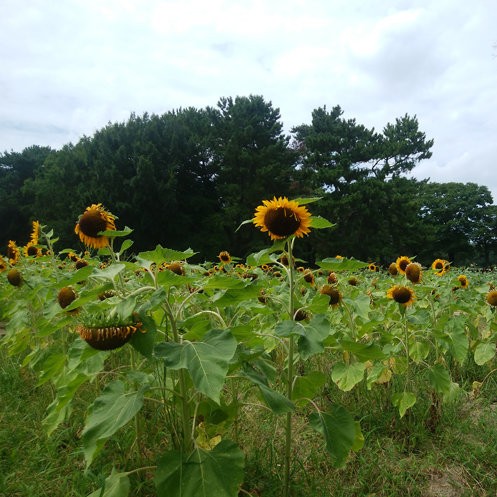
[189, 177]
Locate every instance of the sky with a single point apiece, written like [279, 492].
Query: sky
[70, 67]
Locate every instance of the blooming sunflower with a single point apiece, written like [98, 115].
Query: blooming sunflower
[94, 220]
[13, 252]
[281, 218]
[31, 250]
[35, 233]
[402, 262]
[224, 257]
[401, 294]
[373, 267]
[440, 266]
[3, 264]
[463, 280]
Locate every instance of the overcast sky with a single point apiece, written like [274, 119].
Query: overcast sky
[69, 67]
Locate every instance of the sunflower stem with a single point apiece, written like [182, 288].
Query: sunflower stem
[288, 425]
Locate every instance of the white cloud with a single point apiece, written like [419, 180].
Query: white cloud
[68, 68]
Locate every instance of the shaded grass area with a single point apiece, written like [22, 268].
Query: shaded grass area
[408, 456]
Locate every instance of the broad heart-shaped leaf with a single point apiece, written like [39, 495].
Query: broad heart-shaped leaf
[337, 264]
[440, 379]
[214, 473]
[276, 401]
[347, 376]
[318, 222]
[161, 254]
[264, 256]
[111, 411]
[484, 351]
[339, 430]
[403, 401]
[306, 387]
[316, 331]
[116, 485]
[206, 361]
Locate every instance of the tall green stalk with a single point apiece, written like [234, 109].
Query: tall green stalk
[288, 425]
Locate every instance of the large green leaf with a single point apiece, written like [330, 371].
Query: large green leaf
[307, 387]
[484, 351]
[337, 264]
[347, 376]
[316, 331]
[215, 473]
[403, 401]
[276, 401]
[161, 254]
[109, 412]
[206, 361]
[116, 485]
[318, 222]
[440, 379]
[339, 430]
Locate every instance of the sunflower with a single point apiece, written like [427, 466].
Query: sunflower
[281, 218]
[13, 252]
[35, 233]
[94, 220]
[334, 295]
[413, 272]
[224, 257]
[463, 280]
[492, 297]
[373, 267]
[401, 294]
[108, 337]
[3, 264]
[14, 277]
[440, 266]
[402, 262]
[392, 269]
[31, 250]
[66, 296]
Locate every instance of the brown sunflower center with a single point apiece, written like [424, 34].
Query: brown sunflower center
[439, 265]
[281, 221]
[403, 264]
[91, 223]
[402, 295]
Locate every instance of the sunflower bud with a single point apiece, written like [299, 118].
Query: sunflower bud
[14, 277]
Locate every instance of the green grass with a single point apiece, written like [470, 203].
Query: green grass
[409, 457]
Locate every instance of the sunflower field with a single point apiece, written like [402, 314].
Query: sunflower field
[173, 375]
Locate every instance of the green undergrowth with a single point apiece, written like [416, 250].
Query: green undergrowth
[451, 452]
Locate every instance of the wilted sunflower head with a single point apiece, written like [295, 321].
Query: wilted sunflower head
[309, 276]
[224, 257]
[463, 280]
[66, 296]
[413, 272]
[401, 294]
[332, 278]
[94, 220]
[333, 293]
[492, 298]
[281, 218]
[392, 269]
[402, 262]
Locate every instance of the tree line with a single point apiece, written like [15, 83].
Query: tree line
[189, 177]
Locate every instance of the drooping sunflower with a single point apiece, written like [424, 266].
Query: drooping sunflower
[392, 269]
[333, 293]
[402, 262]
[224, 257]
[463, 280]
[413, 272]
[492, 298]
[281, 218]
[401, 294]
[94, 220]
